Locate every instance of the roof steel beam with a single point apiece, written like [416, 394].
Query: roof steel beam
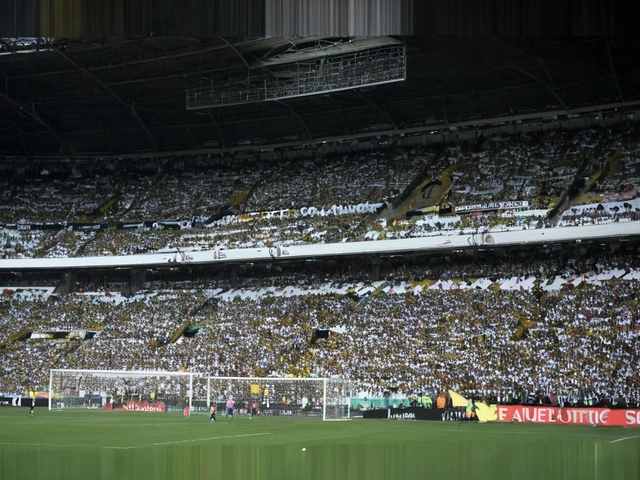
[613, 70]
[127, 64]
[114, 95]
[473, 123]
[32, 114]
[515, 67]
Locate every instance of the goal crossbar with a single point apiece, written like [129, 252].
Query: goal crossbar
[331, 394]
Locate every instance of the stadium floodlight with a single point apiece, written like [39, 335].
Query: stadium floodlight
[322, 69]
[24, 45]
[120, 390]
[326, 398]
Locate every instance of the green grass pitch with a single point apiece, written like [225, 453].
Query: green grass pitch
[70, 444]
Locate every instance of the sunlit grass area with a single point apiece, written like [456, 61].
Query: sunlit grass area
[68, 444]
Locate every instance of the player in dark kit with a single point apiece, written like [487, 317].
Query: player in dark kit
[33, 405]
[212, 417]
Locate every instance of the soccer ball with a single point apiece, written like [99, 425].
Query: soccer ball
[304, 449]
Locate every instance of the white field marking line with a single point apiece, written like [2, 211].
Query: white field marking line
[532, 433]
[91, 422]
[81, 418]
[131, 424]
[87, 418]
[403, 425]
[133, 446]
[55, 445]
[623, 439]
[196, 440]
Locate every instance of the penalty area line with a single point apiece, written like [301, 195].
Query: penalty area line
[132, 446]
[195, 440]
[624, 438]
[56, 445]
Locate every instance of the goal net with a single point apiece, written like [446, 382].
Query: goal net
[325, 398]
[120, 390]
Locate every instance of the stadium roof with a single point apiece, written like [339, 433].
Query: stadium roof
[118, 96]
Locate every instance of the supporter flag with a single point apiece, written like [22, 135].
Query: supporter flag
[238, 198]
[615, 166]
[363, 298]
[187, 411]
[457, 400]
[484, 412]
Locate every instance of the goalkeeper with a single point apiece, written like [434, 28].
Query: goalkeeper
[230, 404]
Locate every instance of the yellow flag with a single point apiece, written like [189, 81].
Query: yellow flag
[485, 413]
[457, 399]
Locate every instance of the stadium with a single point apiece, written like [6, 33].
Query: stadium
[391, 251]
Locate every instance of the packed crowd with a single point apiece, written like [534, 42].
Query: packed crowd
[537, 168]
[504, 168]
[172, 190]
[133, 325]
[569, 341]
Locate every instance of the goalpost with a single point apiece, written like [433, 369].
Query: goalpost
[326, 398]
[152, 391]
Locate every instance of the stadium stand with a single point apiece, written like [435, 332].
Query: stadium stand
[175, 207]
[513, 324]
[519, 327]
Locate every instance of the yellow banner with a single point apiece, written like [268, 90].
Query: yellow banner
[484, 412]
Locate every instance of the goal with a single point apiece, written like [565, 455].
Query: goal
[149, 391]
[326, 398]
